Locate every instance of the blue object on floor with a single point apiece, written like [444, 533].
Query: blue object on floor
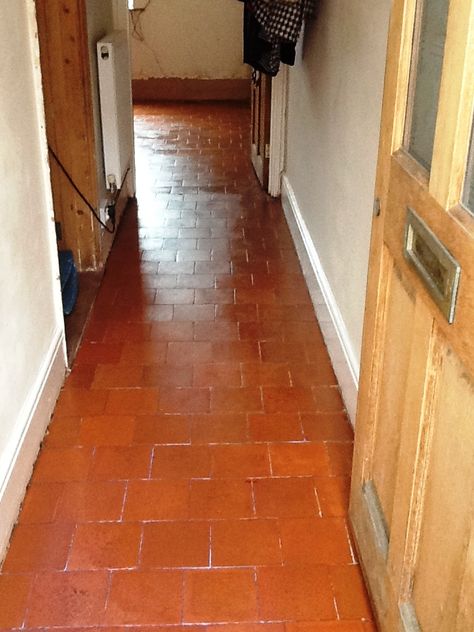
[69, 280]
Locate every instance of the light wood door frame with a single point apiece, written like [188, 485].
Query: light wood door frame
[390, 562]
[261, 95]
[68, 101]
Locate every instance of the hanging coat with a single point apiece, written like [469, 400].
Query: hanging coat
[271, 31]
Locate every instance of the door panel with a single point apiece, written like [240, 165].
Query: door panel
[394, 373]
[412, 491]
[444, 535]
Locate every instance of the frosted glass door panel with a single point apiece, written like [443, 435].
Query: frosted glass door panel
[426, 79]
[468, 197]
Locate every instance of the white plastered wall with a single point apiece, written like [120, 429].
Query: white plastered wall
[33, 360]
[190, 39]
[334, 107]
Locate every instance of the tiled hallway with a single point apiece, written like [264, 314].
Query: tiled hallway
[196, 470]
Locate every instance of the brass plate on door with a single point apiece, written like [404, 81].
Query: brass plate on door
[437, 268]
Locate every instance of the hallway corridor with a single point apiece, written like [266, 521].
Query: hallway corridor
[196, 470]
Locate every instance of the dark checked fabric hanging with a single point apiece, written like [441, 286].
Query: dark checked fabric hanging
[271, 31]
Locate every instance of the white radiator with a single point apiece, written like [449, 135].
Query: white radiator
[113, 60]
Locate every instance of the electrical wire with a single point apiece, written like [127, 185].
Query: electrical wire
[135, 18]
[81, 195]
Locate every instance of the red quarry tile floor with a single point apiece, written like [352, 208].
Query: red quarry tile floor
[196, 470]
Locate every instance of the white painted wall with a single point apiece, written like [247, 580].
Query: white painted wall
[31, 325]
[199, 39]
[335, 96]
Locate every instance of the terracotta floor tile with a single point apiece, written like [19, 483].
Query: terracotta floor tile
[302, 593]
[172, 331]
[110, 430]
[91, 500]
[327, 626]
[217, 374]
[182, 461]
[236, 313]
[145, 598]
[157, 500]
[63, 432]
[327, 427]
[236, 351]
[333, 495]
[240, 461]
[194, 313]
[67, 599]
[176, 544]
[186, 353]
[351, 595]
[237, 400]
[195, 281]
[81, 376]
[214, 499]
[163, 429]
[328, 399]
[276, 427]
[282, 399]
[340, 458]
[212, 267]
[321, 372]
[132, 401]
[143, 353]
[219, 428]
[285, 497]
[40, 502]
[14, 591]
[173, 267]
[151, 313]
[219, 596]
[105, 545]
[315, 541]
[99, 353]
[175, 297]
[299, 459]
[121, 463]
[283, 352]
[35, 547]
[222, 296]
[81, 401]
[246, 627]
[157, 375]
[62, 464]
[130, 332]
[184, 400]
[266, 330]
[265, 374]
[245, 543]
[219, 330]
[289, 313]
[117, 376]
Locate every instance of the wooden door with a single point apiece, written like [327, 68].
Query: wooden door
[261, 96]
[413, 479]
[65, 67]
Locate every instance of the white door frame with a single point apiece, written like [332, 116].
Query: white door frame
[278, 130]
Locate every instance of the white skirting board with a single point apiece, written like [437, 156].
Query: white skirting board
[327, 311]
[16, 464]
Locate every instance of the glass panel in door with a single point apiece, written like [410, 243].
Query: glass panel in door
[427, 63]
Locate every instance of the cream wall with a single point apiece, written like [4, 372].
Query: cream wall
[31, 326]
[335, 96]
[198, 39]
